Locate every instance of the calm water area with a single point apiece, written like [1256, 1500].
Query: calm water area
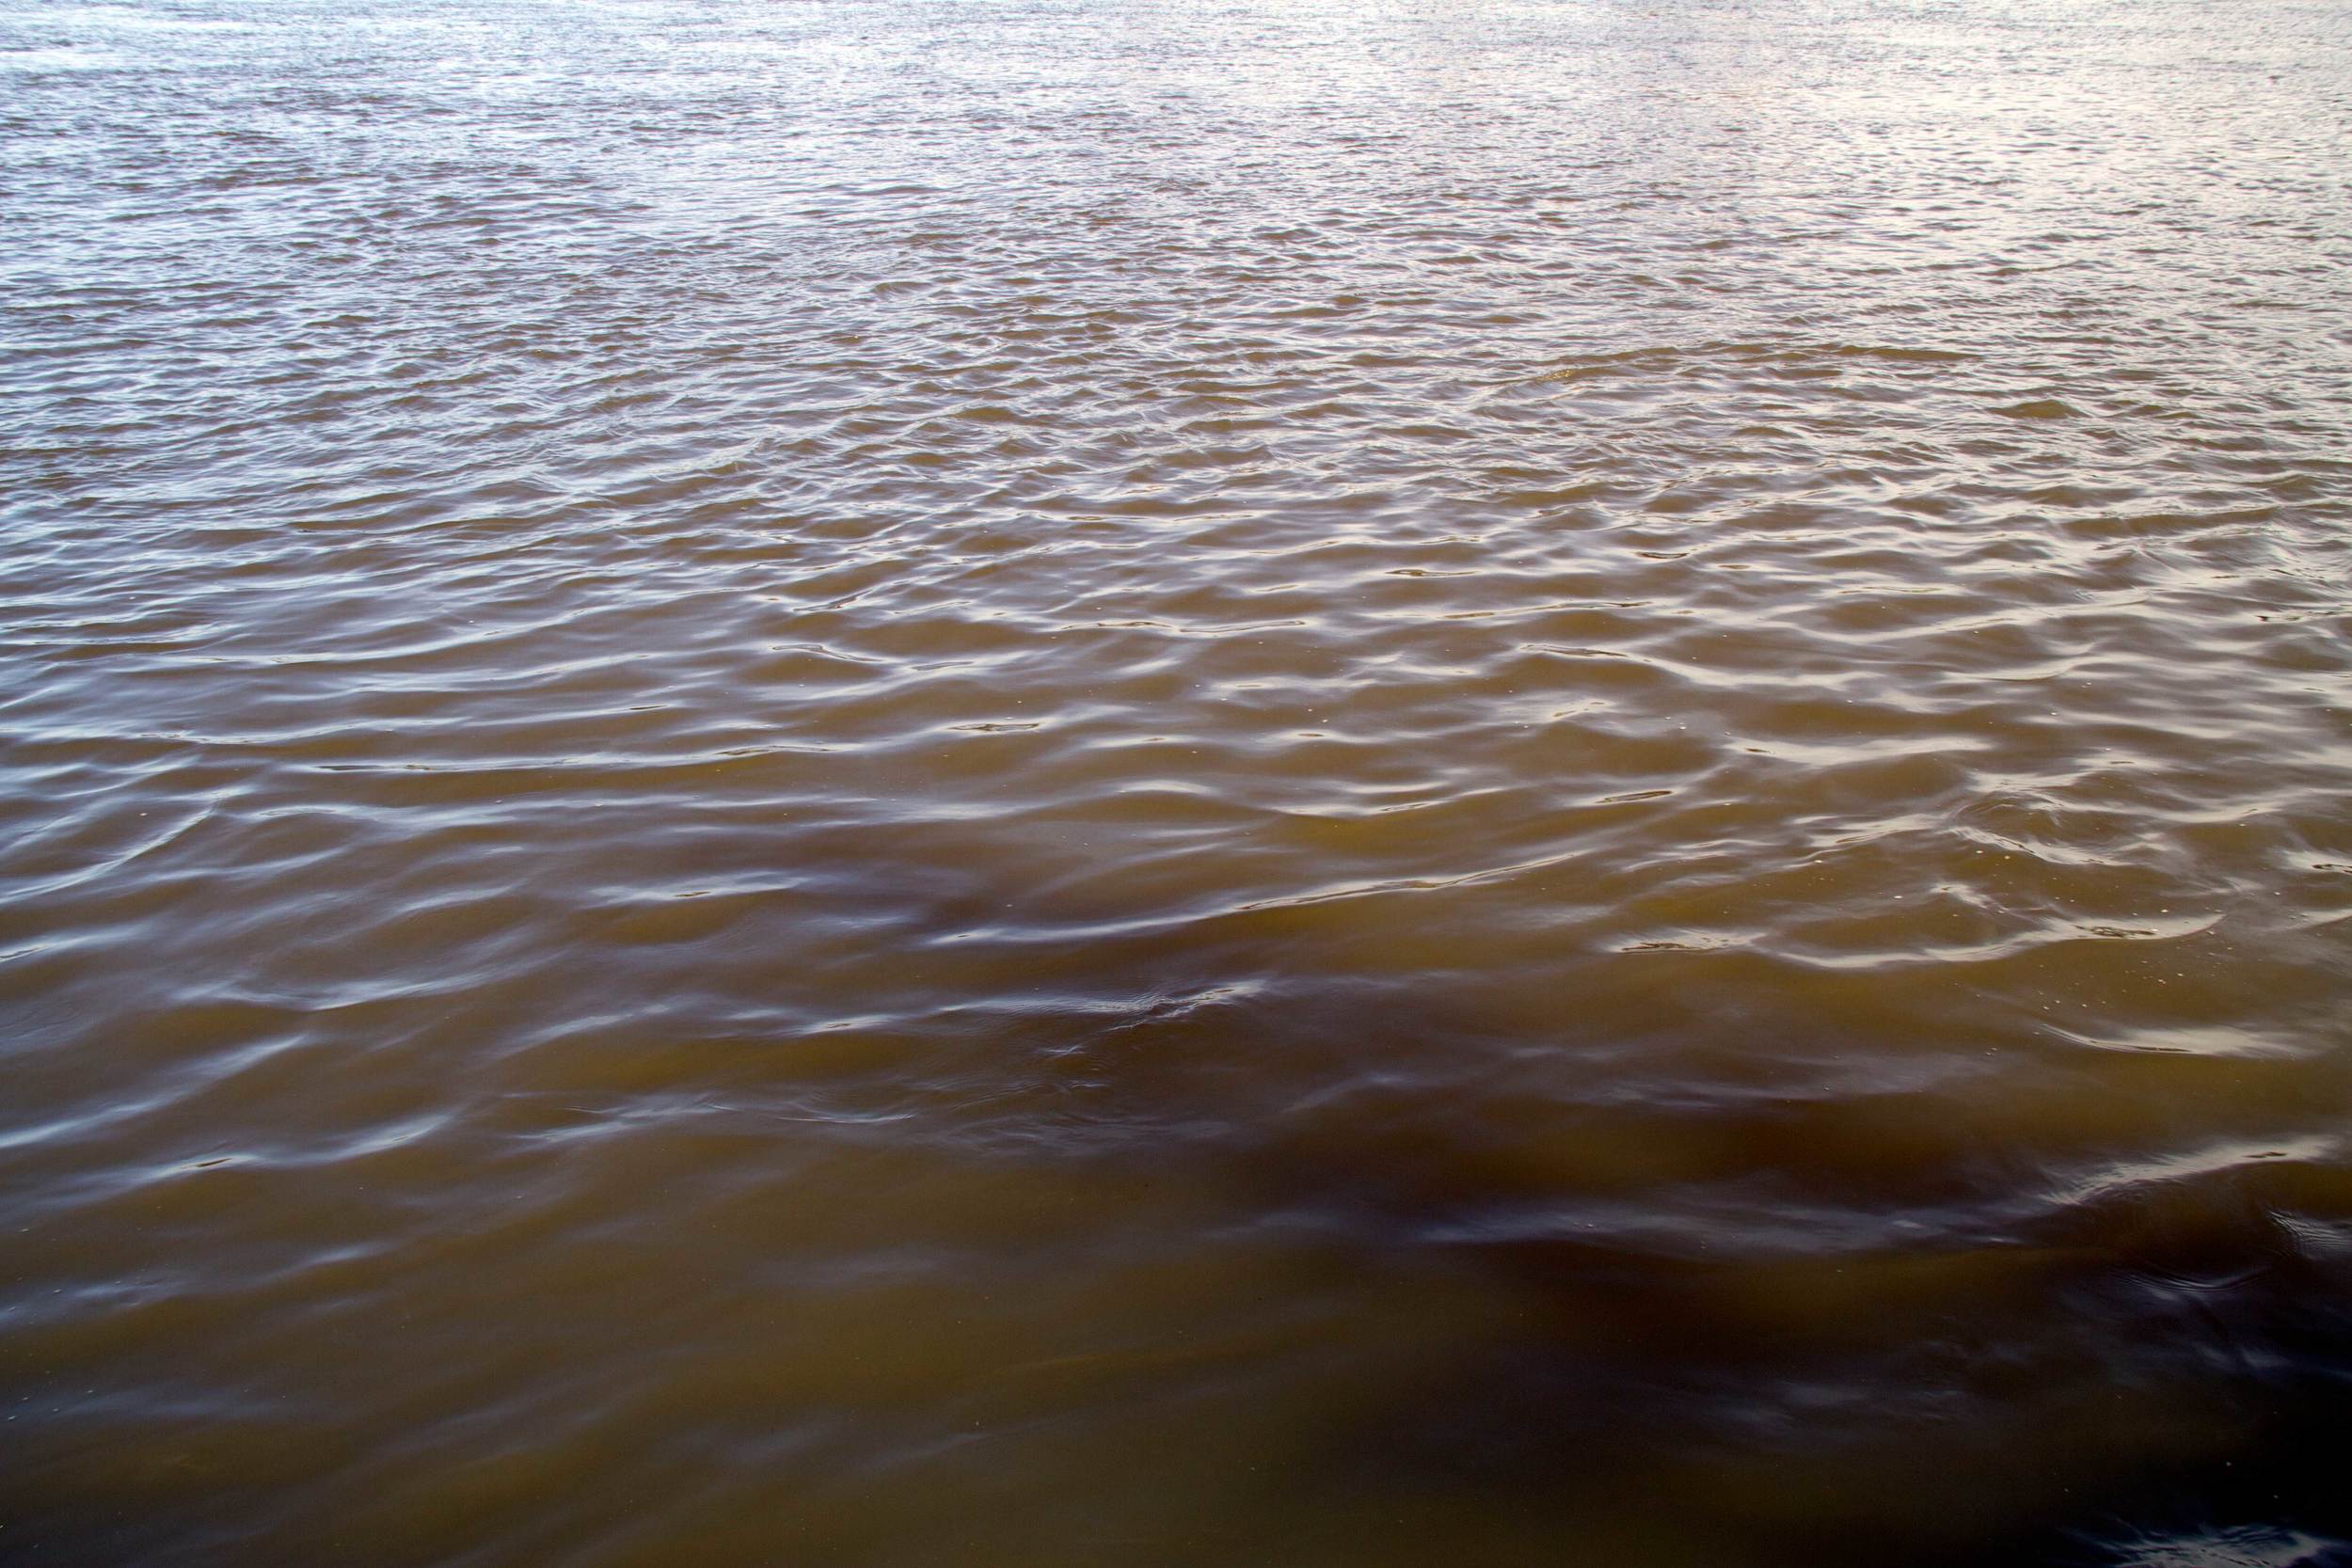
[1026, 783]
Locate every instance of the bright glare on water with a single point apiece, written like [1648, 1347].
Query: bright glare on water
[1033, 784]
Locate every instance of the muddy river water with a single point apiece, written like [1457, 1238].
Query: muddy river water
[1175, 783]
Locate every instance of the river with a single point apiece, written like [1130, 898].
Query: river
[1006, 783]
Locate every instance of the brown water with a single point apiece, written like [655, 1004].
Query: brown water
[1192, 785]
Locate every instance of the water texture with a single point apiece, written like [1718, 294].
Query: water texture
[1175, 783]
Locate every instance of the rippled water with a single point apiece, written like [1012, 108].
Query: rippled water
[1181, 784]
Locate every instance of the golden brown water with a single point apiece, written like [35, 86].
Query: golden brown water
[1190, 784]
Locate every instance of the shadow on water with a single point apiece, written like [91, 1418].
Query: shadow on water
[1787, 1329]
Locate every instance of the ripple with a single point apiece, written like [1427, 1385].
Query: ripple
[1218, 785]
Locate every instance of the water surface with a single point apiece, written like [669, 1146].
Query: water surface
[1164, 782]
